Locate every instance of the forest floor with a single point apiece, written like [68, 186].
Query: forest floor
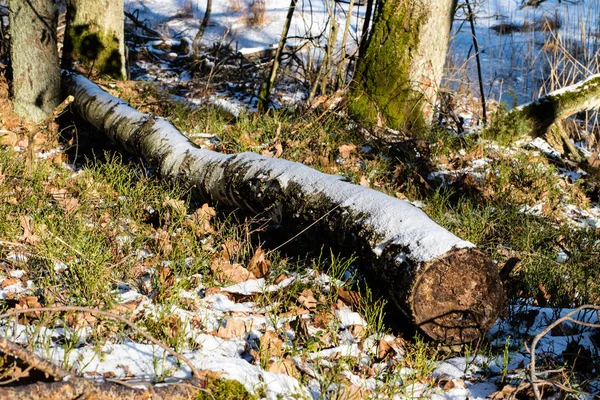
[265, 313]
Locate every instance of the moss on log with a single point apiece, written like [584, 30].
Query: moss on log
[537, 117]
[443, 284]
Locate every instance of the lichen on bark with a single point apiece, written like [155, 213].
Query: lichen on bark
[94, 37]
[383, 92]
[34, 58]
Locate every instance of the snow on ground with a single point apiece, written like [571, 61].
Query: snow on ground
[511, 66]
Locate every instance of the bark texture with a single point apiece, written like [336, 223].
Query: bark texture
[442, 283]
[77, 388]
[397, 79]
[34, 58]
[94, 37]
[540, 115]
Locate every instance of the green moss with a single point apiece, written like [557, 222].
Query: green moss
[505, 127]
[383, 91]
[95, 49]
[225, 389]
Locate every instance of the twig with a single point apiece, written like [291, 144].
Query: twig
[144, 27]
[195, 372]
[477, 61]
[33, 360]
[539, 336]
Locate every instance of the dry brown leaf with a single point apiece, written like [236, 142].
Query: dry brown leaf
[29, 236]
[8, 138]
[80, 320]
[271, 345]
[29, 302]
[346, 150]
[9, 281]
[505, 393]
[200, 221]
[162, 240]
[280, 279]
[65, 201]
[384, 349]
[211, 290]
[229, 250]
[233, 328]
[175, 206]
[350, 297]
[352, 392]
[233, 273]
[166, 277]
[307, 299]
[258, 265]
[274, 151]
[285, 366]
[358, 331]
[364, 181]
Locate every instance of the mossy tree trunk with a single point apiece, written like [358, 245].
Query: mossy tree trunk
[34, 58]
[445, 286]
[397, 79]
[94, 37]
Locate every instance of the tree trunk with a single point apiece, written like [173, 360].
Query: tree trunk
[203, 26]
[94, 37]
[34, 58]
[397, 79]
[540, 115]
[445, 286]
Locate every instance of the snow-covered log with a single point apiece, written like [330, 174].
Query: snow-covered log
[447, 287]
[540, 115]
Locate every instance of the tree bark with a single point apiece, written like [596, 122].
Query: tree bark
[94, 37]
[540, 115]
[203, 26]
[444, 285]
[34, 58]
[397, 79]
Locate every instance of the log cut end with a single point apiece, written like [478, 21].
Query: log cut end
[457, 297]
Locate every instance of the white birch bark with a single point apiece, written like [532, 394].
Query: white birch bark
[442, 283]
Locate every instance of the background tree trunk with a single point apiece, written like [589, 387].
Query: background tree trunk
[203, 26]
[34, 58]
[94, 37]
[443, 284]
[397, 79]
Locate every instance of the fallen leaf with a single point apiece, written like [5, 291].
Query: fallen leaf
[352, 392]
[175, 207]
[271, 345]
[307, 299]
[346, 150]
[200, 221]
[233, 273]
[364, 181]
[229, 250]
[64, 200]
[9, 281]
[358, 331]
[29, 236]
[351, 298]
[505, 393]
[285, 366]
[233, 328]
[280, 279]
[162, 241]
[258, 265]
[384, 349]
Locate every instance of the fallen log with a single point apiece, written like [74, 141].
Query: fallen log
[543, 117]
[443, 284]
